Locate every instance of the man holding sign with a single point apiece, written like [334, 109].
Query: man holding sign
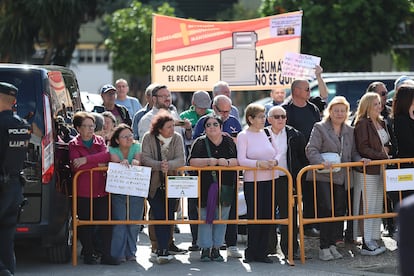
[302, 115]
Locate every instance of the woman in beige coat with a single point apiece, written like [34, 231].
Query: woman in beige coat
[332, 135]
[163, 151]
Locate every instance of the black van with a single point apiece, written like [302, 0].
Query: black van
[48, 96]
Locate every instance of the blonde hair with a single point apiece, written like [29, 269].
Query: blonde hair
[336, 100]
[252, 110]
[365, 106]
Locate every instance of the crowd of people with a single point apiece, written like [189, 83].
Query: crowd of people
[292, 132]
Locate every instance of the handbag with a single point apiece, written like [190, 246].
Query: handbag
[227, 193]
[333, 158]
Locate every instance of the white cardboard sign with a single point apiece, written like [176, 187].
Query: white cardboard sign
[299, 65]
[399, 179]
[182, 186]
[132, 180]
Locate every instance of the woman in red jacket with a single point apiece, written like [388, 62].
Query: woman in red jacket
[87, 151]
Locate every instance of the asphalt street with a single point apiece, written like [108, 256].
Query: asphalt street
[32, 261]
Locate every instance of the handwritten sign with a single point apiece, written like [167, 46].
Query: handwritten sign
[299, 65]
[182, 186]
[399, 179]
[133, 180]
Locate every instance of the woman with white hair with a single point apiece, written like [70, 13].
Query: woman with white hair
[331, 135]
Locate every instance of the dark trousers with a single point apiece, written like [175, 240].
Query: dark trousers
[162, 232]
[231, 230]
[193, 215]
[87, 232]
[7, 259]
[10, 199]
[258, 234]
[308, 202]
[329, 230]
[281, 195]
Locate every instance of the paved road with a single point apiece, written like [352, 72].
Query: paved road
[32, 261]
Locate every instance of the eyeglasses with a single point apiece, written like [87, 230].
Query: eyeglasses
[383, 93]
[128, 136]
[112, 93]
[215, 124]
[277, 117]
[89, 126]
[164, 96]
[222, 111]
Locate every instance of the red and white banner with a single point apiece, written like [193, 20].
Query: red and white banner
[189, 55]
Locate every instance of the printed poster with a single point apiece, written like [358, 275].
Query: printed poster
[190, 55]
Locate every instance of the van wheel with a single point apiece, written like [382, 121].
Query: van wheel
[61, 253]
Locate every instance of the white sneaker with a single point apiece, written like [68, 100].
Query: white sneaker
[335, 252]
[233, 252]
[371, 248]
[163, 256]
[164, 259]
[325, 254]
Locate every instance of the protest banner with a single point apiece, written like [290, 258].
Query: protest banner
[191, 55]
[132, 180]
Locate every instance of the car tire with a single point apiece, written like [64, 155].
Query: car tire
[60, 253]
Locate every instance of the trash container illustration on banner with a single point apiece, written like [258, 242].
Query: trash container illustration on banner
[237, 64]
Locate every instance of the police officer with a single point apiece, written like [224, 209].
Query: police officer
[14, 140]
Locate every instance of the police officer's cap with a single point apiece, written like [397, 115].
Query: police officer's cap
[8, 89]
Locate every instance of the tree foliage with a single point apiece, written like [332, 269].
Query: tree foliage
[52, 25]
[346, 33]
[129, 37]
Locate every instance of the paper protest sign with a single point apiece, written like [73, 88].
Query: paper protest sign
[132, 180]
[182, 186]
[299, 65]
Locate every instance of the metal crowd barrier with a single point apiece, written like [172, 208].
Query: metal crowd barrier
[396, 163]
[239, 169]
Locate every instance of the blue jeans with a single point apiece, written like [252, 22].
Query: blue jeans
[212, 235]
[124, 237]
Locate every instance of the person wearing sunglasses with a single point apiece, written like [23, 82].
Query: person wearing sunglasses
[290, 146]
[302, 115]
[214, 149]
[231, 127]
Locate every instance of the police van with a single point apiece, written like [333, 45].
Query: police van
[47, 98]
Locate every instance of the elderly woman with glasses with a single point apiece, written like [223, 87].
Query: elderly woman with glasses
[214, 149]
[332, 135]
[126, 151]
[254, 149]
[88, 151]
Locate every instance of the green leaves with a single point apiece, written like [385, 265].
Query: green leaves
[129, 37]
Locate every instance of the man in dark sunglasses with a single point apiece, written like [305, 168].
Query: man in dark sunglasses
[302, 115]
[290, 146]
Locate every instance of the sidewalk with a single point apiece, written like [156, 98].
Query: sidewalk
[189, 264]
